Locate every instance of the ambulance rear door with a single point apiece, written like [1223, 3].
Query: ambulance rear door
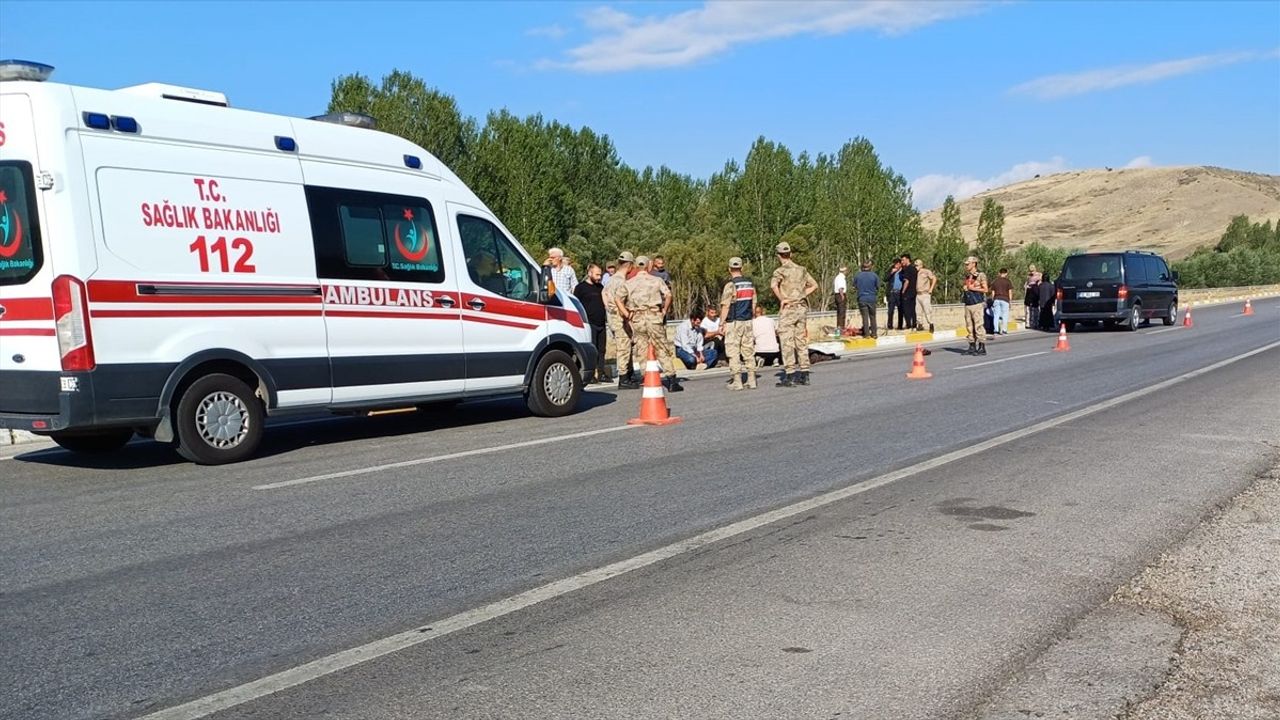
[30, 361]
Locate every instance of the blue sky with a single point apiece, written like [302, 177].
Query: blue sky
[956, 96]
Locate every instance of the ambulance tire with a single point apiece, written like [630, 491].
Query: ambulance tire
[227, 401]
[95, 443]
[556, 385]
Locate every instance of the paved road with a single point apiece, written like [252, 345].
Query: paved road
[139, 582]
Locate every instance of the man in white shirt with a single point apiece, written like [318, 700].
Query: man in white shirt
[765, 331]
[841, 287]
[712, 333]
[689, 343]
[562, 273]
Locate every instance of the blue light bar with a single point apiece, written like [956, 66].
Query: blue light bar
[413, 161]
[286, 144]
[97, 121]
[24, 70]
[124, 124]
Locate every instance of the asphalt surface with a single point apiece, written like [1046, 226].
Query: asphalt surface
[137, 582]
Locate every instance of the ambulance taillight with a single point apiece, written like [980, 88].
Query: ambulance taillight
[71, 312]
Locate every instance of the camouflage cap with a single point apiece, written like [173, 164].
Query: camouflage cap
[643, 260]
[735, 263]
[626, 256]
[783, 247]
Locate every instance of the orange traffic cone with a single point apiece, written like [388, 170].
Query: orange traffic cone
[653, 398]
[917, 366]
[1062, 345]
[1186, 317]
[1248, 307]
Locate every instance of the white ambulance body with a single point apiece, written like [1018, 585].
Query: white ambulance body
[177, 268]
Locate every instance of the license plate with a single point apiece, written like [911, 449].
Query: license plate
[1088, 294]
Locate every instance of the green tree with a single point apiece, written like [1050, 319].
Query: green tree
[949, 251]
[990, 244]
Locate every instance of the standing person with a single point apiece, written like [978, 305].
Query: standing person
[738, 306]
[659, 269]
[1002, 296]
[840, 287]
[926, 282]
[1048, 294]
[591, 293]
[619, 328]
[765, 333]
[893, 282]
[792, 285]
[1032, 299]
[909, 289]
[867, 285]
[690, 348]
[562, 273]
[609, 270]
[644, 301]
[975, 302]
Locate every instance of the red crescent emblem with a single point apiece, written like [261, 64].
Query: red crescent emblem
[8, 251]
[404, 251]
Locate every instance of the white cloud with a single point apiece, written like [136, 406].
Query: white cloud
[555, 32]
[929, 191]
[628, 42]
[1051, 87]
[1142, 161]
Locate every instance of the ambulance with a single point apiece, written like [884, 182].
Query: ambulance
[178, 269]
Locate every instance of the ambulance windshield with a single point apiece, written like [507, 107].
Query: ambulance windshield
[20, 255]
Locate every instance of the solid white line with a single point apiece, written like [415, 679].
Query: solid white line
[436, 458]
[996, 362]
[217, 702]
[1164, 330]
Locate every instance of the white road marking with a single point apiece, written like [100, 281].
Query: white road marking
[219, 701]
[437, 458]
[996, 362]
[1164, 330]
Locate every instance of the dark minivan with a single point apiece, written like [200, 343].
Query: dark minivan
[1125, 288]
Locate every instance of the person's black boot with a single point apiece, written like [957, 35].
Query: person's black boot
[930, 327]
[626, 382]
[802, 377]
[785, 381]
[973, 349]
[673, 384]
[982, 349]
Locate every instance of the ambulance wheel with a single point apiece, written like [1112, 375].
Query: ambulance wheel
[95, 443]
[219, 420]
[555, 387]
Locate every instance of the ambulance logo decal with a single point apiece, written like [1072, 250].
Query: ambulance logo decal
[418, 246]
[10, 229]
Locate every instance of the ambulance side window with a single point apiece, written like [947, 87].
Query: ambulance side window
[374, 236]
[493, 262]
[20, 251]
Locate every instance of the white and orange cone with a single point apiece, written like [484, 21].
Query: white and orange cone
[653, 397]
[917, 366]
[1186, 317]
[1062, 345]
[1248, 306]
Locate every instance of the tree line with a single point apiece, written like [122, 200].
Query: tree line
[1247, 254]
[555, 185]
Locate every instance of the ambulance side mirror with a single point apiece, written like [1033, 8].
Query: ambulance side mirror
[544, 284]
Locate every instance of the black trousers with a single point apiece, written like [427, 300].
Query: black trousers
[909, 310]
[599, 336]
[841, 305]
[868, 311]
[895, 306]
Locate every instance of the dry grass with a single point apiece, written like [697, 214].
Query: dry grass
[1171, 210]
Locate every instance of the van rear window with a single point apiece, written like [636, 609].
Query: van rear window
[1091, 267]
[20, 255]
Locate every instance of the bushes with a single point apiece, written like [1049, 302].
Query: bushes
[1247, 254]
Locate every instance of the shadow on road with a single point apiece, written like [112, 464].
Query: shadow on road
[297, 433]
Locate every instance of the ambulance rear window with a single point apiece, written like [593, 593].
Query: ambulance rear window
[20, 252]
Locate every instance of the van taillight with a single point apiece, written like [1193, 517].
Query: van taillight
[1124, 292]
[71, 313]
[1059, 293]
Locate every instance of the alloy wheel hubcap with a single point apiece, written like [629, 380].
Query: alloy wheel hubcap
[222, 420]
[559, 384]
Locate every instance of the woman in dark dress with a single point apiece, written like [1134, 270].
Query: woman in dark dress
[1048, 293]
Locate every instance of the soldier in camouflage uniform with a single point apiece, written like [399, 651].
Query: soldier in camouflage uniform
[643, 301]
[792, 285]
[738, 307]
[619, 328]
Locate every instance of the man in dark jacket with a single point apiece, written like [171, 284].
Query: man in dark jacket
[1048, 294]
[588, 292]
[908, 309]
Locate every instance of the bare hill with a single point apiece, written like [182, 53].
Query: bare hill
[1172, 210]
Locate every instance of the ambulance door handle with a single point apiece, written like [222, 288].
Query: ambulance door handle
[2, 311]
[476, 304]
[445, 301]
